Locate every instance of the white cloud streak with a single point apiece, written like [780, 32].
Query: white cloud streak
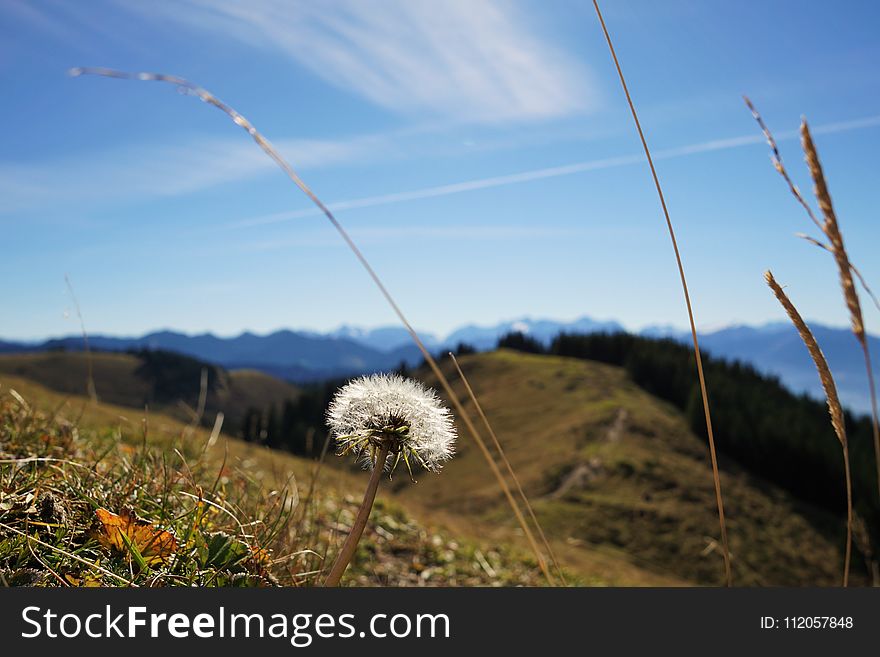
[474, 61]
[551, 172]
[150, 171]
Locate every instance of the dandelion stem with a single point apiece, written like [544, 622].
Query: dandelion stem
[360, 522]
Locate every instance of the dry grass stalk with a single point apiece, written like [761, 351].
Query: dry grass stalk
[834, 408]
[188, 87]
[199, 412]
[716, 477]
[776, 158]
[812, 240]
[831, 229]
[509, 468]
[90, 379]
[69, 555]
[862, 538]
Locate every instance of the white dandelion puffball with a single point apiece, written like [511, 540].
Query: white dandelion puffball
[387, 410]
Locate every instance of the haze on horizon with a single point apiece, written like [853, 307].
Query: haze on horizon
[518, 323]
[496, 175]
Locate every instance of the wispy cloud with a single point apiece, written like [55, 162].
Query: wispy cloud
[156, 171]
[69, 24]
[470, 60]
[150, 171]
[551, 172]
[35, 17]
[409, 234]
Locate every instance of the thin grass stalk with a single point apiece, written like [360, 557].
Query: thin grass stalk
[316, 471]
[346, 552]
[835, 410]
[188, 87]
[862, 539]
[776, 159]
[199, 411]
[509, 467]
[831, 228]
[90, 379]
[69, 555]
[855, 271]
[716, 477]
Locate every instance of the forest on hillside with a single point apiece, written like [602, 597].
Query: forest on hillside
[779, 436]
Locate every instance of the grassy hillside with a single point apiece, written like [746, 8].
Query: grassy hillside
[241, 515]
[612, 469]
[122, 379]
[619, 482]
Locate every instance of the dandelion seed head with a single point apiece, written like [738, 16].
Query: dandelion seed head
[389, 410]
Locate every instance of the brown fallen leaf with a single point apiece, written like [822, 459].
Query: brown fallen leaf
[125, 531]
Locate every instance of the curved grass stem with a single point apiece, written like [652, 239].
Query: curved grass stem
[189, 88]
[849, 517]
[509, 467]
[716, 477]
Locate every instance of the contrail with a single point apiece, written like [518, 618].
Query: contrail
[551, 172]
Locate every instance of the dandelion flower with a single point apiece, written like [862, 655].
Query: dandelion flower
[384, 419]
[386, 410]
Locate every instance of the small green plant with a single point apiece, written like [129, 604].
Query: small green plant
[109, 508]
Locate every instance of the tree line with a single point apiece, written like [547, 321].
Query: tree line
[783, 437]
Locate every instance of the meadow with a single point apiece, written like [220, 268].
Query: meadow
[596, 462]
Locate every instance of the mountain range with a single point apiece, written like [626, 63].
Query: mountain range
[303, 356]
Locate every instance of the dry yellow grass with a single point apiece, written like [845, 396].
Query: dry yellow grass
[834, 408]
[509, 468]
[608, 468]
[830, 227]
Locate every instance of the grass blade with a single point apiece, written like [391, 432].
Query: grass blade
[716, 477]
[509, 467]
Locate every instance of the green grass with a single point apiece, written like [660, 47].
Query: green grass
[228, 526]
[620, 484]
[237, 512]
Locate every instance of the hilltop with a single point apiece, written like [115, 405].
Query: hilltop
[166, 383]
[774, 349]
[611, 468]
[618, 479]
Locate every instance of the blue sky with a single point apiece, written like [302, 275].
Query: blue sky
[481, 154]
